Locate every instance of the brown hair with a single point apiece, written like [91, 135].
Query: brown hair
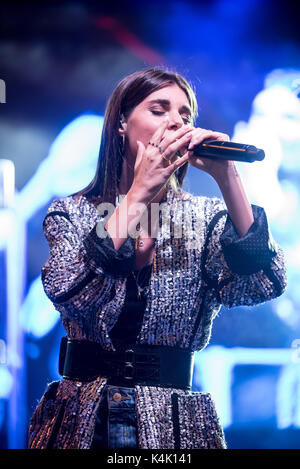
[132, 90]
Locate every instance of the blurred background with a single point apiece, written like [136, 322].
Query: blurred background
[59, 63]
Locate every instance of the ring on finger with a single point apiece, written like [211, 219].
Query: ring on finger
[160, 148]
[157, 146]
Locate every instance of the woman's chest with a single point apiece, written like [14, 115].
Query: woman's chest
[144, 250]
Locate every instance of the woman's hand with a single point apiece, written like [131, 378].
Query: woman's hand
[156, 162]
[228, 179]
[215, 168]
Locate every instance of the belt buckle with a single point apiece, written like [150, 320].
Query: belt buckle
[129, 369]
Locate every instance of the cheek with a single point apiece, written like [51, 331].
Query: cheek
[140, 132]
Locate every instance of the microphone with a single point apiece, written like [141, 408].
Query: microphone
[215, 149]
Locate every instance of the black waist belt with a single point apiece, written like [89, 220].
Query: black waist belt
[84, 360]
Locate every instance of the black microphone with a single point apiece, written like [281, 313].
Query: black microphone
[215, 149]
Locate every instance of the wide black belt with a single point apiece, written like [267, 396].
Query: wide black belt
[84, 360]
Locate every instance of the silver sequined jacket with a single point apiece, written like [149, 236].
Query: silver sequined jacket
[192, 276]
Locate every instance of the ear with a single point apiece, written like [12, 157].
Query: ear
[123, 126]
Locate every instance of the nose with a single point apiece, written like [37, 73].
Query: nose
[175, 120]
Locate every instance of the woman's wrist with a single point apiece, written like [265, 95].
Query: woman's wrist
[126, 216]
[144, 196]
[137, 195]
[235, 198]
[226, 175]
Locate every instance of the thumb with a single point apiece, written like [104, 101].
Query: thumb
[139, 155]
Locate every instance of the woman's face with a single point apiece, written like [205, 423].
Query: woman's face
[171, 102]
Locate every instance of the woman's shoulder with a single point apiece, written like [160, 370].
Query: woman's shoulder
[78, 210]
[74, 205]
[70, 201]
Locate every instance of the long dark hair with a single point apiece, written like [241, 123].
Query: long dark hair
[132, 90]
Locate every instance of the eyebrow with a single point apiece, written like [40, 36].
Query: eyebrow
[167, 103]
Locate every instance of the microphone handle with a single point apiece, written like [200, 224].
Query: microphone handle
[228, 151]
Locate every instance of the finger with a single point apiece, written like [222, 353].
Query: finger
[222, 137]
[139, 156]
[179, 162]
[218, 136]
[179, 144]
[166, 141]
[156, 137]
[200, 135]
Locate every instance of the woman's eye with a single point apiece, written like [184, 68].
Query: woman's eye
[186, 120]
[158, 113]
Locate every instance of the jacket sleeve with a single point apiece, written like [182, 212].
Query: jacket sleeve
[81, 269]
[245, 270]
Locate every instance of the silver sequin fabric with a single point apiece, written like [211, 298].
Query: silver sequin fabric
[180, 308]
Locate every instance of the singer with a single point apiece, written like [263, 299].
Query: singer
[136, 300]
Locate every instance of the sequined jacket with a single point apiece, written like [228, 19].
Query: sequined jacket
[200, 263]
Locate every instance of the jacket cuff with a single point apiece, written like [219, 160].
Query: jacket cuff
[252, 252]
[115, 263]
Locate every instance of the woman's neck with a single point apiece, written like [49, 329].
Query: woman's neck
[126, 176]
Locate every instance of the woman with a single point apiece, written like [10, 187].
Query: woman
[137, 287]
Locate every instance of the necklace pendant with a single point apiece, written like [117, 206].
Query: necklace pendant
[140, 244]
